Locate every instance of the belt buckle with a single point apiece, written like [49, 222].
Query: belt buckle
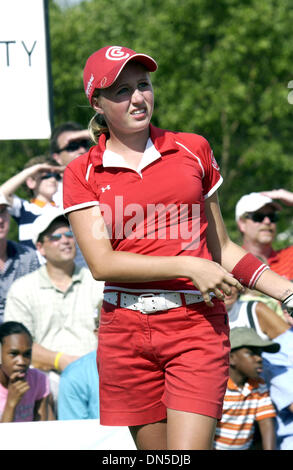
[142, 307]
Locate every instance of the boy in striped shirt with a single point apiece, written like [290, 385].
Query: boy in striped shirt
[247, 399]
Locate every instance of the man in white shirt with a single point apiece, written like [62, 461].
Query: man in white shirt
[59, 301]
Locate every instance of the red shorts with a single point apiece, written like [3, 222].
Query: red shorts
[176, 359]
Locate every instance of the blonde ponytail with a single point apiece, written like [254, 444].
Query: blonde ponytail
[97, 126]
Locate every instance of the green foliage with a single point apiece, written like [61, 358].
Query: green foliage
[224, 69]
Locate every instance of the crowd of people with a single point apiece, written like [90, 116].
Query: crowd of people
[45, 284]
[59, 299]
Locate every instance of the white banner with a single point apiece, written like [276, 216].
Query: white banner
[24, 74]
[64, 435]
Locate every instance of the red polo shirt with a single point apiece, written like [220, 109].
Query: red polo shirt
[281, 261]
[157, 210]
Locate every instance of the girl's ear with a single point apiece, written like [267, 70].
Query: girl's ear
[96, 105]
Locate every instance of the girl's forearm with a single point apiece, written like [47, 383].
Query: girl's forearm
[274, 285]
[8, 413]
[131, 267]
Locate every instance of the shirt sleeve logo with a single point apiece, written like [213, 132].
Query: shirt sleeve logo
[214, 162]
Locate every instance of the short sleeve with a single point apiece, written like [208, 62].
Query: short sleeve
[212, 178]
[200, 149]
[78, 191]
[16, 207]
[265, 407]
[39, 383]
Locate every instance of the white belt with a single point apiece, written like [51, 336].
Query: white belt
[151, 303]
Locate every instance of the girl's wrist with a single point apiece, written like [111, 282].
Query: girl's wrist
[11, 403]
[186, 266]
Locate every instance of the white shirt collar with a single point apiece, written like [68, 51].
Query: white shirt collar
[112, 159]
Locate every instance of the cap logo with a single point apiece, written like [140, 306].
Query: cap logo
[89, 85]
[116, 53]
[103, 82]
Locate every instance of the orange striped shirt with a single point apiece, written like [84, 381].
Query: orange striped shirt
[241, 408]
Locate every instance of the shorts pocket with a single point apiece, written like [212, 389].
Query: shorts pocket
[108, 314]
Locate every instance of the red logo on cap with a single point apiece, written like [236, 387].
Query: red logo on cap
[103, 82]
[116, 53]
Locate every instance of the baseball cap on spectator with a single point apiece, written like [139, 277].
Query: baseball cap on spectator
[3, 200]
[45, 220]
[241, 337]
[104, 66]
[253, 202]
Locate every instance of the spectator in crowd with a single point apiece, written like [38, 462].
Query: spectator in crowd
[277, 367]
[24, 391]
[78, 396]
[256, 216]
[254, 314]
[41, 179]
[247, 398]
[16, 260]
[58, 301]
[69, 140]
[278, 374]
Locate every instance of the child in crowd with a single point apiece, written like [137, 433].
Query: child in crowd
[24, 392]
[247, 399]
[40, 175]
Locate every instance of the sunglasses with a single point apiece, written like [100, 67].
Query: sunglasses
[4, 210]
[51, 175]
[57, 236]
[259, 216]
[75, 145]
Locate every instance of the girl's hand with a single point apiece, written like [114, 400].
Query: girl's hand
[17, 387]
[210, 277]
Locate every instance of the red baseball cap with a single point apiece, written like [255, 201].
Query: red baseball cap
[103, 66]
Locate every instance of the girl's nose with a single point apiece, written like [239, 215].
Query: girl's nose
[137, 96]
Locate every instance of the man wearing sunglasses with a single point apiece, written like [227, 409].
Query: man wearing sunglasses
[256, 217]
[69, 140]
[58, 302]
